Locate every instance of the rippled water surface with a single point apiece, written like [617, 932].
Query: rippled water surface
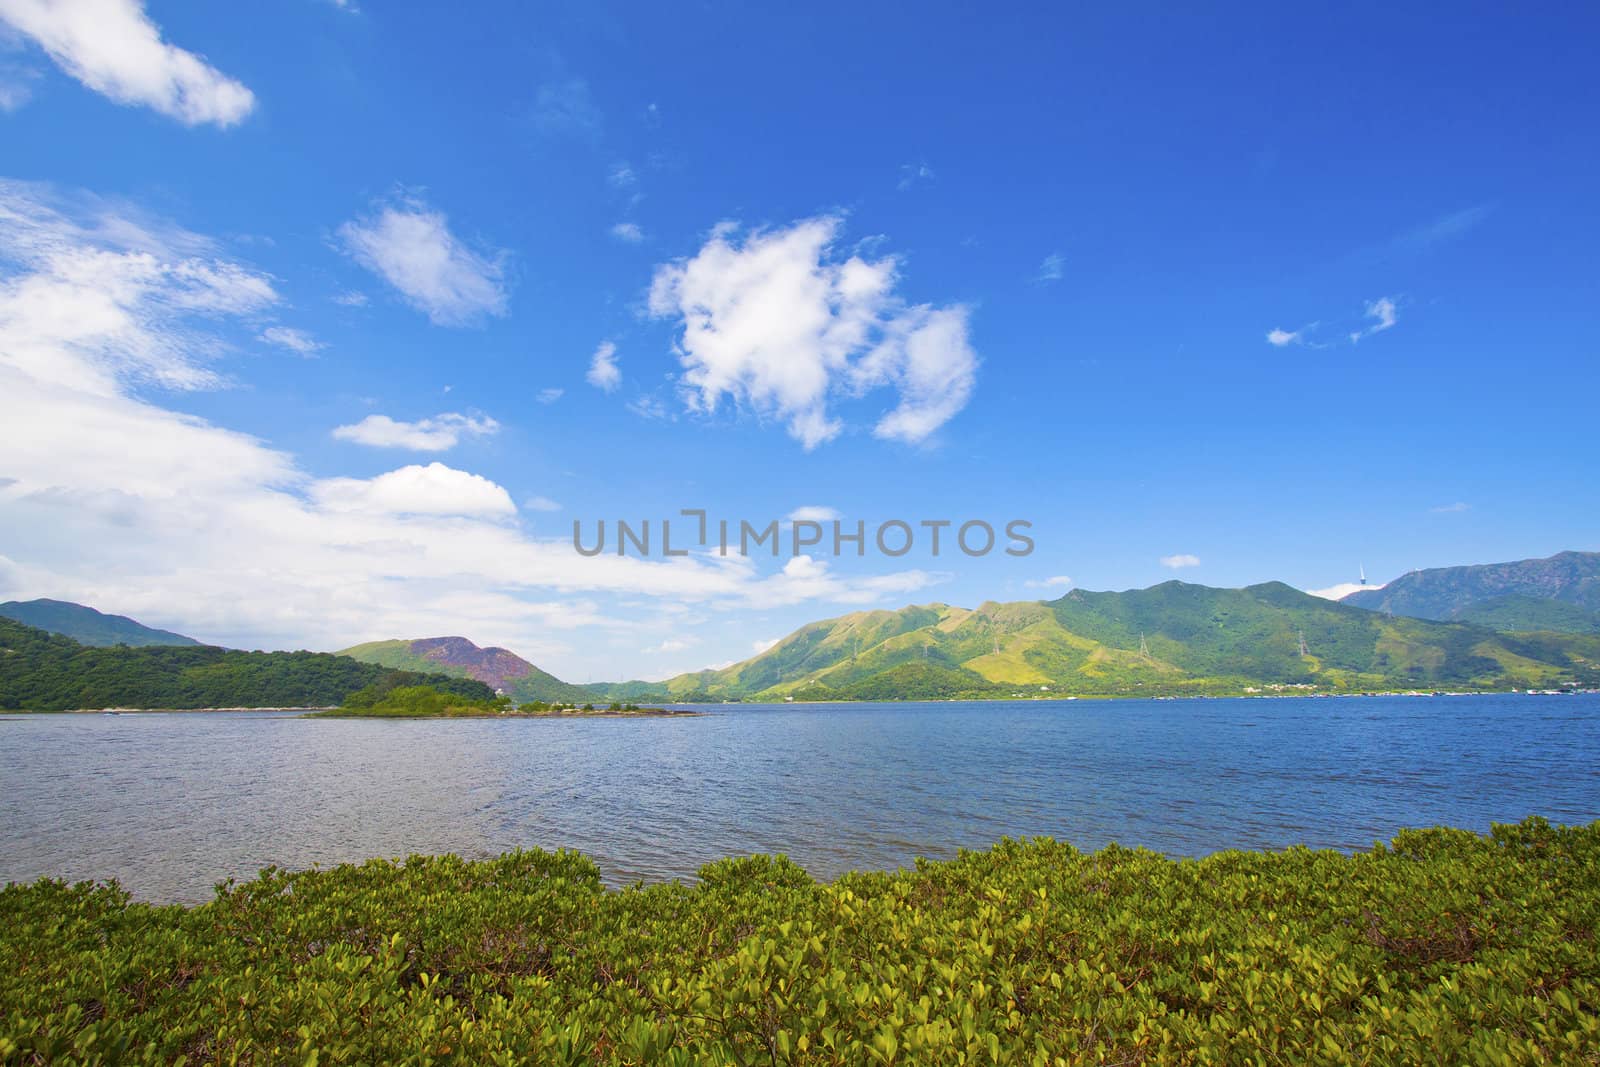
[172, 803]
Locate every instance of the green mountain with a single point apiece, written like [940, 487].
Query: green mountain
[457, 657]
[41, 671]
[1561, 593]
[1171, 639]
[88, 626]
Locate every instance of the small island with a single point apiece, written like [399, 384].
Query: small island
[427, 702]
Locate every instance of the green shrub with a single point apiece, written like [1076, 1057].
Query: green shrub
[1441, 947]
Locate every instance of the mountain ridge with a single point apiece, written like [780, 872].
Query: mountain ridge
[1559, 592]
[88, 626]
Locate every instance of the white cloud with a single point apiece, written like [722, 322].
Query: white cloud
[1052, 269]
[438, 434]
[1280, 338]
[351, 299]
[912, 173]
[1340, 591]
[1450, 509]
[1178, 562]
[411, 247]
[1383, 310]
[813, 513]
[111, 499]
[297, 341]
[781, 325]
[566, 106]
[550, 395]
[1057, 581]
[112, 47]
[16, 82]
[416, 490]
[541, 503]
[627, 232]
[672, 644]
[647, 406]
[603, 371]
[760, 646]
[622, 176]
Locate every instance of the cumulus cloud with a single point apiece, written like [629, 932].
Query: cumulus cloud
[416, 490]
[438, 434]
[813, 513]
[1279, 338]
[112, 47]
[627, 232]
[780, 324]
[410, 246]
[1179, 562]
[110, 498]
[603, 370]
[1057, 581]
[297, 341]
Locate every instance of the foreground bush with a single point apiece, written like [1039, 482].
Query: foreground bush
[1443, 947]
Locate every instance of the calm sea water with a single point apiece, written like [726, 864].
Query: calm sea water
[170, 804]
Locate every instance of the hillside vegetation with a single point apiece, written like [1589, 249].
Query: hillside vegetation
[1443, 947]
[458, 657]
[1171, 639]
[87, 626]
[40, 671]
[1560, 592]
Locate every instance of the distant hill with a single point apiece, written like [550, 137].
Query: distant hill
[1173, 638]
[458, 657]
[41, 671]
[1560, 593]
[87, 626]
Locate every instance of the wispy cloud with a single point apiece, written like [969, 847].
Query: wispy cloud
[112, 47]
[410, 246]
[1382, 310]
[813, 513]
[913, 173]
[1180, 561]
[541, 503]
[566, 106]
[1451, 509]
[352, 298]
[622, 176]
[1056, 581]
[297, 341]
[1053, 269]
[627, 232]
[781, 324]
[604, 374]
[438, 434]
[550, 395]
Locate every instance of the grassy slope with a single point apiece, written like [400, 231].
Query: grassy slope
[1197, 640]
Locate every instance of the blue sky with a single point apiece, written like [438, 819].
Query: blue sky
[1283, 292]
